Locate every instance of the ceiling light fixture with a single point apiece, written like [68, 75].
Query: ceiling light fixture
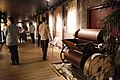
[47, 0]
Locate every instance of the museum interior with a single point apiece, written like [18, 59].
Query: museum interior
[84, 43]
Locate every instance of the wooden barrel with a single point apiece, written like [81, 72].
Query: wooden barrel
[98, 67]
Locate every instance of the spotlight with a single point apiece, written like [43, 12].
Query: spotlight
[47, 0]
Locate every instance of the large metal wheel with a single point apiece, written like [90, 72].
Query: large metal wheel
[63, 51]
[98, 67]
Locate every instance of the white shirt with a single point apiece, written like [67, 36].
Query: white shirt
[32, 28]
[44, 31]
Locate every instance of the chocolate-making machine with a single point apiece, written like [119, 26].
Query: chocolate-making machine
[83, 52]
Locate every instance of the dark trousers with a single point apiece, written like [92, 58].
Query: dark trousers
[39, 40]
[23, 36]
[14, 54]
[32, 37]
[44, 45]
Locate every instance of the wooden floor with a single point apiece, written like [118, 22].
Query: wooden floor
[31, 65]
